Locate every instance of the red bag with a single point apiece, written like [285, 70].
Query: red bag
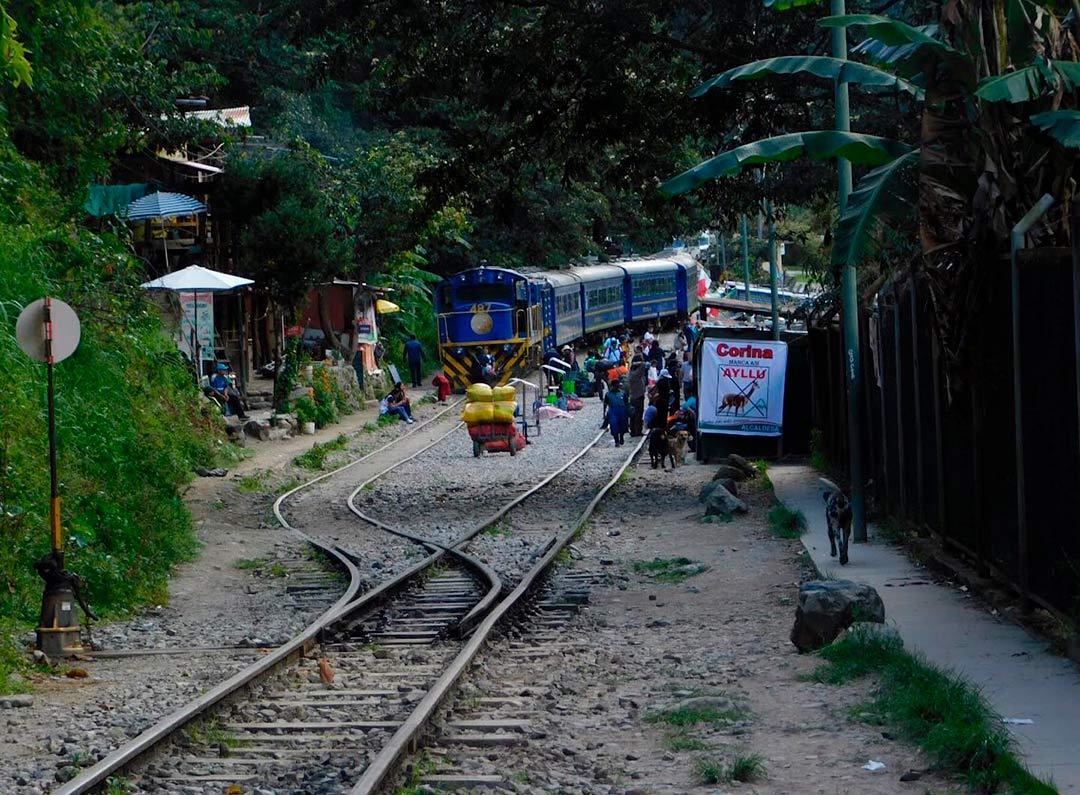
[502, 446]
[493, 429]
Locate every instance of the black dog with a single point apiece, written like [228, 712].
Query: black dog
[658, 447]
[838, 518]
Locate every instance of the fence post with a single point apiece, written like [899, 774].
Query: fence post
[898, 392]
[1075, 222]
[916, 391]
[1017, 241]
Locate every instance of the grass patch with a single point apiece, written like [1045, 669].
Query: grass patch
[692, 716]
[117, 785]
[247, 564]
[718, 518]
[669, 570]
[278, 570]
[682, 741]
[893, 530]
[747, 768]
[13, 659]
[942, 714]
[211, 733]
[520, 777]
[786, 523]
[315, 458]
[762, 466]
[253, 483]
[497, 529]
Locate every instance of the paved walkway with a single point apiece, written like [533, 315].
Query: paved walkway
[1013, 669]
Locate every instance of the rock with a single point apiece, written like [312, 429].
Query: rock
[741, 463]
[713, 485]
[827, 608]
[66, 773]
[726, 471]
[287, 421]
[16, 701]
[77, 673]
[721, 501]
[216, 472]
[258, 429]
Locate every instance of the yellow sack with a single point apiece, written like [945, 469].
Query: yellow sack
[503, 393]
[478, 413]
[503, 411]
[478, 393]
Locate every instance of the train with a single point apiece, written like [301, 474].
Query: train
[517, 316]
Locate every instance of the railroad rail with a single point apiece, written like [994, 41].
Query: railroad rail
[397, 650]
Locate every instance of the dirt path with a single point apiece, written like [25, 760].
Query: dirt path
[644, 646]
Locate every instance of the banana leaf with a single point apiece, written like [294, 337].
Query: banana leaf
[1061, 125]
[784, 5]
[863, 150]
[838, 69]
[1022, 85]
[881, 195]
[907, 48]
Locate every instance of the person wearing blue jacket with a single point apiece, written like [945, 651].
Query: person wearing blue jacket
[414, 355]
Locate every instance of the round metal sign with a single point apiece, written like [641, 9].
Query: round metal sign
[30, 330]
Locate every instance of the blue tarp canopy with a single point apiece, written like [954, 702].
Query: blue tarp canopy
[163, 205]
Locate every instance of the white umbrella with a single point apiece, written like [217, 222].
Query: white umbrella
[197, 279]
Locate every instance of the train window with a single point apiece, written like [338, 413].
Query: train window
[468, 294]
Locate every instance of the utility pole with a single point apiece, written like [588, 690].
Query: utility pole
[745, 253]
[850, 299]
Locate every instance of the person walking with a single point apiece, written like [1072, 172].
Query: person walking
[615, 403]
[414, 356]
[637, 384]
[689, 334]
[663, 391]
[687, 375]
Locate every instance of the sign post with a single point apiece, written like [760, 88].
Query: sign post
[48, 331]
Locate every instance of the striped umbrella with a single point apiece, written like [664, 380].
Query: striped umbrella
[163, 205]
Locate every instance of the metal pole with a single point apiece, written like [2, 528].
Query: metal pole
[1076, 297]
[745, 254]
[54, 483]
[723, 252]
[774, 250]
[850, 299]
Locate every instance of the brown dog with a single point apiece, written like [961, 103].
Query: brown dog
[677, 448]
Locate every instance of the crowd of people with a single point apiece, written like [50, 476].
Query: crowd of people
[642, 386]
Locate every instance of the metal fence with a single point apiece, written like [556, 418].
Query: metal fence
[944, 454]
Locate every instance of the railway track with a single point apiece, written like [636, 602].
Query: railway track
[338, 707]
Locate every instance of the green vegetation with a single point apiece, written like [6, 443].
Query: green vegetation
[278, 570]
[669, 570]
[691, 716]
[743, 768]
[117, 785]
[247, 564]
[520, 777]
[254, 483]
[684, 741]
[315, 458]
[938, 711]
[762, 466]
[786, 523]
[211, 733]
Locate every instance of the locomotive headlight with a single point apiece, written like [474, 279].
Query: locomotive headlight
[459, 351]
[508, 348]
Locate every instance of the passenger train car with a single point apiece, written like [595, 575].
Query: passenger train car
[515, 317]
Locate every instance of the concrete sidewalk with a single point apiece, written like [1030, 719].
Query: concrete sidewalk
[1014, 670]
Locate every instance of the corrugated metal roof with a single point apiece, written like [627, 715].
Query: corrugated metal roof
[226, 117]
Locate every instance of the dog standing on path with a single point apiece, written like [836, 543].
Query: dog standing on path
[838, 519]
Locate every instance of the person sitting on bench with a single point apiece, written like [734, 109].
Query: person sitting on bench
[222, 390]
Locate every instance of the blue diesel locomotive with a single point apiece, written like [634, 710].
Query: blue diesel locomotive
[515, 317]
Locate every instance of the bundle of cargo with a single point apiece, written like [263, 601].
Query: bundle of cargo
[489, 414]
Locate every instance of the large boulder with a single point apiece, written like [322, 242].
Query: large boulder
[728, 472]
[741, 463]
[826, 608]
[713, 485]
[722, 502]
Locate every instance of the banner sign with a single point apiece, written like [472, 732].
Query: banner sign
[197, 317]
[741, 387]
